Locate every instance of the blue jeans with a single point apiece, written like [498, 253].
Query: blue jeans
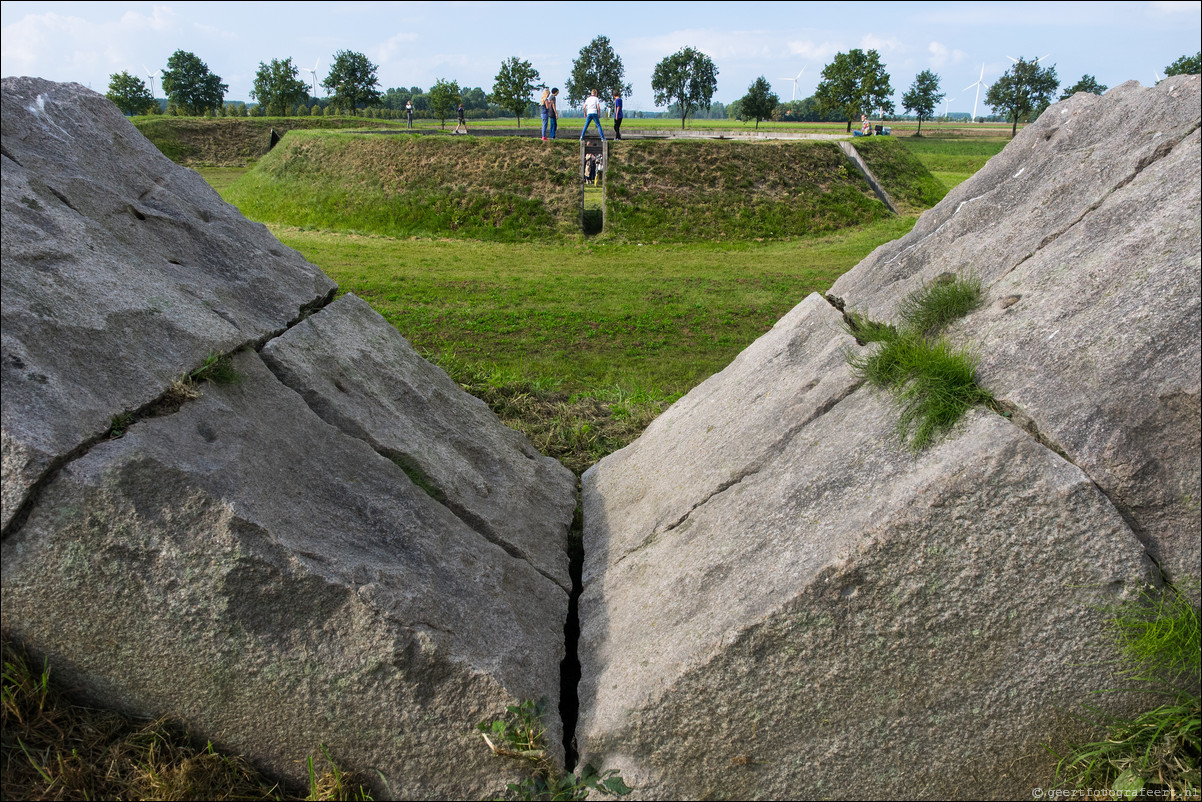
[593, 118]
[554, 126]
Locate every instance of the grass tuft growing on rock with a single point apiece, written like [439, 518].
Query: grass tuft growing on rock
[1156, 752]
[933, 382]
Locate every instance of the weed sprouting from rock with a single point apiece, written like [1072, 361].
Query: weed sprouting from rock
[521, 735]
[933, 382]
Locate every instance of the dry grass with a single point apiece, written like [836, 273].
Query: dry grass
[55, 749]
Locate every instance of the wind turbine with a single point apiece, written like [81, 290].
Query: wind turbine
[1156, 75]
[946, 105]
[1041, 58]
[794, 80]
[313, 73]
[151, 76]
[980, 83]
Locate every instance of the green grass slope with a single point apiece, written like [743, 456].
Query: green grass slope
[489, 188]
[232, 141]
[901, 173]
[717, 190]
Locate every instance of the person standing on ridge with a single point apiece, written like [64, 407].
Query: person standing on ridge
[409, 112]
[617, 116]
[552, 112]
[462, 123]
[544, 111]
[592, 107]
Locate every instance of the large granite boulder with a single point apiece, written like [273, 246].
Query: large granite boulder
[1085, 233]
[781, 600]
[253, 558]
[122, 270]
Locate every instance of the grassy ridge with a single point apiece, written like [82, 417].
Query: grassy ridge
[900, 172]
[503, 188]
[691, 189]
[232, 141]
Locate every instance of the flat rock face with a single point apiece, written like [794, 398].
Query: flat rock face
[277, 585]
[360, 374]
[801, 602]
[1085, 232]
[122, 271]
[254, 559]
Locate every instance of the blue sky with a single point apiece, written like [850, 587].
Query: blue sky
[417, 43]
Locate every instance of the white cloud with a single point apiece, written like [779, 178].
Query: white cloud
[941, 56]
[1177, 7]
[814, 52]
[883, 46]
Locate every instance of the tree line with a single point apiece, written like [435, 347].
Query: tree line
[855, 83]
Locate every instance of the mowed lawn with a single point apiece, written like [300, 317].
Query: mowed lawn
[585, 318]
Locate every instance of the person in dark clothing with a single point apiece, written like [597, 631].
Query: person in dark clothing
[462, 123]
[617, 116]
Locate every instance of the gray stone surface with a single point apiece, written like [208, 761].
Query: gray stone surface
[122, 271]
[852, 621]
[271, 580]
[1086, 233]
[782, 601]
[244, 567]
[360, 374]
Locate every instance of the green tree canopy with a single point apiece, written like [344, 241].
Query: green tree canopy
[759, 102]
[1186, 65]
[129, 94]
[597, 67]
[1087, 84]
[277, 88]
[352, 81]
[688, 78]
[923, 96]
[443, 97]
[854, 83]
[1023, 92]
[514, 85]
[190, 85]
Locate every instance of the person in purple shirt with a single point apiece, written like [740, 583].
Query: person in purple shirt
[617, 116]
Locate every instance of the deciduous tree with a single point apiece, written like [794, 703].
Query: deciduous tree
[687, 78]
[352, 81]
[1087, 84]
[1186, 65]
[923, 97]
[129, 93]
[759, 102]
[277, 88]
[190, 85]
[514, 85]
[1024, 91]
[597, 67]
[442, 98]
[854, 83]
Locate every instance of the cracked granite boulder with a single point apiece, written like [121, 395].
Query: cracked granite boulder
[257, 562]
[782, 600]
[122, 270]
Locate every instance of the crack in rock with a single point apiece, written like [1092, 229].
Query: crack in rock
[771, 453]
[167, 402]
